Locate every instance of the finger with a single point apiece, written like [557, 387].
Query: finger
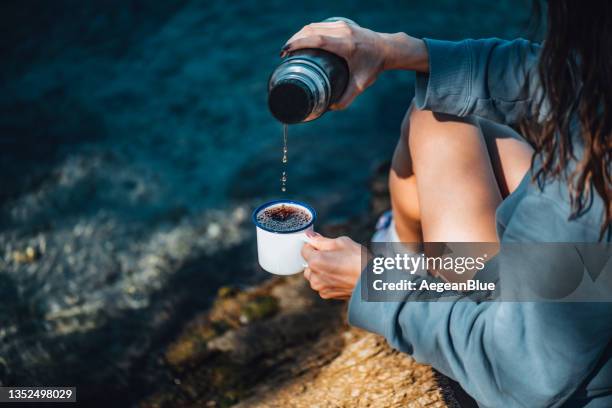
[306, 31]
[352, 90]
[307, 274]
[321, 243]
[324, 295]
[325, 42]
[312, 234]
[309, 252]
[333, 294]
[316, 283]
[329, 24]
[330, 28]
[322, 262]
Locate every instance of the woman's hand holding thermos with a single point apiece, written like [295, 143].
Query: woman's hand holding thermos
[366, 52]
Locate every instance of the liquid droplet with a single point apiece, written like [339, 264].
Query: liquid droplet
[284, 160]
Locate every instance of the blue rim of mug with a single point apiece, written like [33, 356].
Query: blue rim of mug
[313, 214]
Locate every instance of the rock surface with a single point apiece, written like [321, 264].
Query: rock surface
[279, 345]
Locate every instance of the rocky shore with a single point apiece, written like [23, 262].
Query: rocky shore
[278, 344]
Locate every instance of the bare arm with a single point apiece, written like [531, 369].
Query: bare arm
[405, 52]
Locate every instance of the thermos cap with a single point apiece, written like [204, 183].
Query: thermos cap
[306, 83]
[299, 90]
[291, 100]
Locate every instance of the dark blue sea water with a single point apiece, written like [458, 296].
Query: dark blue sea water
[135, 140]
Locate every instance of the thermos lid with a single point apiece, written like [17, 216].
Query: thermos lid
[302, 87]
[291, 100]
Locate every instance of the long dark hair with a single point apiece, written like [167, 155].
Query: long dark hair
[575, 71]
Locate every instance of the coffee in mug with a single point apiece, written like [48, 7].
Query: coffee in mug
[283, 218]
[281, 233]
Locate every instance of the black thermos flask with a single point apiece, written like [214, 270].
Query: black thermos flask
[306, 82]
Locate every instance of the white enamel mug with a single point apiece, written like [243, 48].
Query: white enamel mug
[279, 252]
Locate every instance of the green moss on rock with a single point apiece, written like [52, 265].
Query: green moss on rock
[259, 308]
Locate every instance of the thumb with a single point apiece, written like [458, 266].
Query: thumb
[321, 243]
[352, 90]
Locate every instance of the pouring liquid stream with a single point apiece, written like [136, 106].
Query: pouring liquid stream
[284, 175]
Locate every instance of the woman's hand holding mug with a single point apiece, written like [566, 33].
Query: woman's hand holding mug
[334, 265]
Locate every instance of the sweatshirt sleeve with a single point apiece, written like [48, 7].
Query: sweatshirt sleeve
[491, 78]
[502, 353]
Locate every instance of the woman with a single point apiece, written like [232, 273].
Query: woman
[460, 173]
